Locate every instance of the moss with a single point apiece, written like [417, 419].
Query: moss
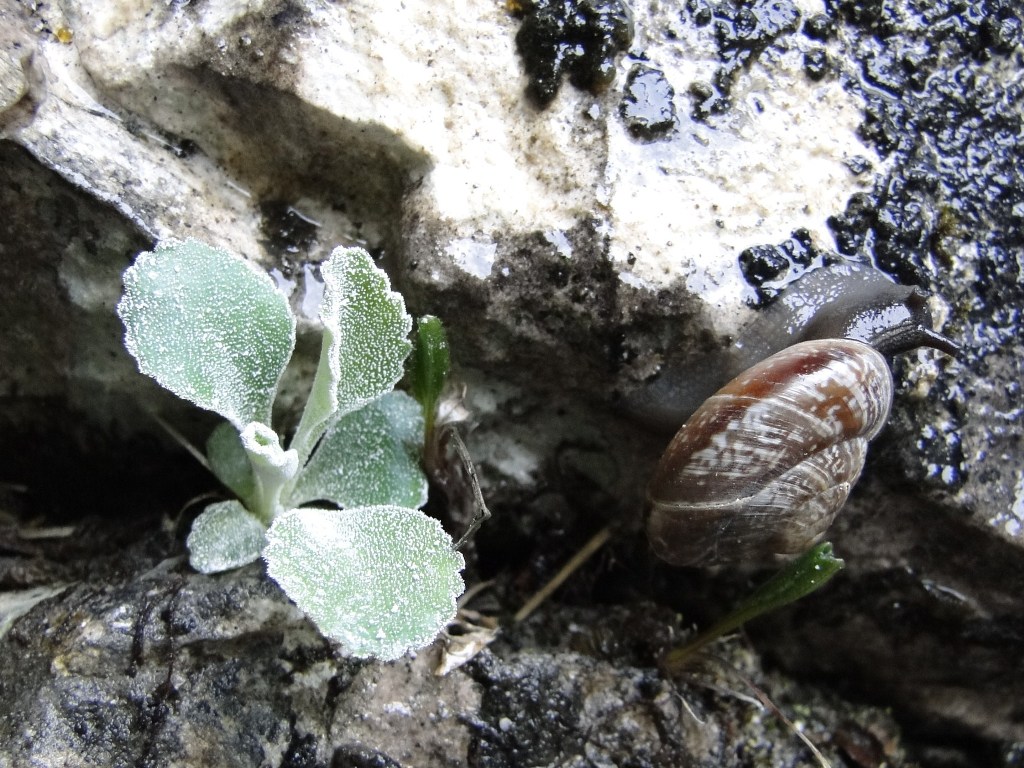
[578, 38]
[742, 32]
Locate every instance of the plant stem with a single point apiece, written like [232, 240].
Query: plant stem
[273, 468]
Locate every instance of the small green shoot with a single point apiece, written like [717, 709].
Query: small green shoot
[428, 372]
[804, 575]
[428, 369]
[377, 575]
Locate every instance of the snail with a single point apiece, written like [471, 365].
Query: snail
[845, 300]
[762, 466]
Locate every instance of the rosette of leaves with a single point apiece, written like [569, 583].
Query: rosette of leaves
[371, 570]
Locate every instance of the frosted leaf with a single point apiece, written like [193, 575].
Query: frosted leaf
[224, 536]
[380, 580]
[370, 456]
[263, 447]
[209, 326]
[229, 462]
[273, 468]
[365, 342]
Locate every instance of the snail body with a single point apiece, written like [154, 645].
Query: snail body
[845, 300]
[764, 465]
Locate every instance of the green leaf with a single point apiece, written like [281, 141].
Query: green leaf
[380, 580]
[229, 461]
[429, 366]
[368, 457]
[804, 575]
[209, 326]
[273, 469]
[365, 343]
[225, 536]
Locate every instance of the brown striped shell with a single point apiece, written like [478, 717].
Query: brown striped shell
[764, 465]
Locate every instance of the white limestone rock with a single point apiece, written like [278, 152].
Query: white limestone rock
[538, 235]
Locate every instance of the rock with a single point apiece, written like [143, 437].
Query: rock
[13, 83]
[573, 265]
[940, 558]
[143, 661]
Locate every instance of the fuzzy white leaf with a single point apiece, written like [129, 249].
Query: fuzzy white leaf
[225, 536]
[263, 446]
[209, 326]
[273, 469]
[380, 580]
[368, 457]
[365, 342]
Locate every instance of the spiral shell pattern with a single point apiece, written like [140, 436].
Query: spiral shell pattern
[764, 465]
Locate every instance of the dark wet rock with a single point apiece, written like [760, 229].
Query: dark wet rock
[743, 32]
[941, 103]
[816, 63]
[933, 621]
[287, 233]
[154, 664]
[819, 27]
[770, 268]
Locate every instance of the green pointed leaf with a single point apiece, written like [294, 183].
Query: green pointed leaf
[809, 572]
[229, 461]
[429, 366]
[380, 580]
[225, 536]
[368, 457]
[365, 342]
[209, 326]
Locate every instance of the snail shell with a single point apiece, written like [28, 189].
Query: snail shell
[764, 465]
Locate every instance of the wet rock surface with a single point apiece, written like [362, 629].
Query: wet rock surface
[141, 661]
[648, 106]
[575, 262]
[943, 108]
